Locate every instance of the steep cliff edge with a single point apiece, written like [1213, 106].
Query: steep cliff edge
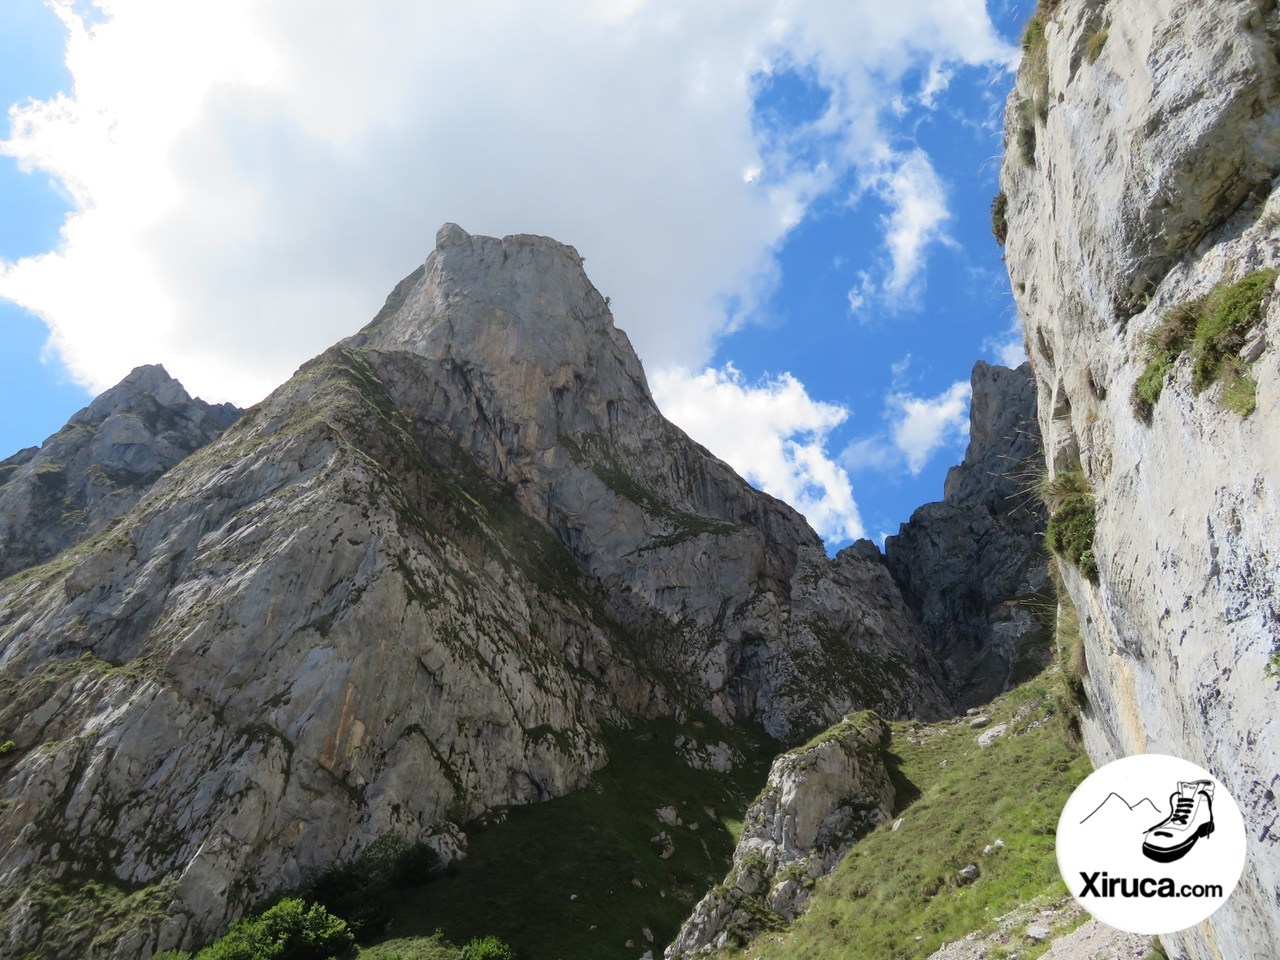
[419, 581]
[1140, 197]
[972, 566]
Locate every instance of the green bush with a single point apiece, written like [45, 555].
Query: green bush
[291, 930]
[487, 948]
[1229, 313]
[1070, 532]
[7, 747]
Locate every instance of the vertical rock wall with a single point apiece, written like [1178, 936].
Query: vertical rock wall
[1142, 148]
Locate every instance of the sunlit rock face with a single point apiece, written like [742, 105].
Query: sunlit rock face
[1141, 155]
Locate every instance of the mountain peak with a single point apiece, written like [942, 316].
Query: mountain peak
[519, 317]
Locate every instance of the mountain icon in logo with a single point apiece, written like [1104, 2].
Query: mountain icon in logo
[1117, 808]
[1189, 819]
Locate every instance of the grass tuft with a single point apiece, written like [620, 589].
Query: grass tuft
[1093, 46]
[1212, 328]
[999, 225]
[1070, 532]
[1229, 313]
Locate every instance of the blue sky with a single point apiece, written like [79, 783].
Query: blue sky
[788, 204]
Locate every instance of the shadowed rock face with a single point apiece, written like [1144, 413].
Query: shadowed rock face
[1152, 178]
[411, 585]
[98, 466]
[973, 566]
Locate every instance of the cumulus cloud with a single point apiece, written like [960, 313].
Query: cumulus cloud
[920, 425]
[771, 432]
[917, 199]
[916, 428]
[251, 177]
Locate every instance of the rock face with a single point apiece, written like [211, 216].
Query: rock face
[1142, 144]
[97, 467]
[819, 800]
[410, 586]
[973, 567]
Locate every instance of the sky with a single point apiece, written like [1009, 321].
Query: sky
[786, 201]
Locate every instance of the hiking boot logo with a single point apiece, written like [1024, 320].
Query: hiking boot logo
[1190, 818]
[1127, 859]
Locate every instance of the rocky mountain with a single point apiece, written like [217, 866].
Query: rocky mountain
[973, 567]
[418, 582]
[974, 570]
[97, 467]
[1141, 210]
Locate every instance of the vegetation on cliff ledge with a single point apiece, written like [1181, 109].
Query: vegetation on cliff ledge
[1072, 519]
[1213, 329]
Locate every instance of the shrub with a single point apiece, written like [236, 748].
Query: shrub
[999, 226]
[487, 948]
[1070, 532]
[1072, 518]
[7, 747]
[291, 930]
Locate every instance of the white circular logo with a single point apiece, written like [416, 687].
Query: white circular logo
[1151, 844]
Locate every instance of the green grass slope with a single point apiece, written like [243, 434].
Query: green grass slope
[898, 894]
[578, 877]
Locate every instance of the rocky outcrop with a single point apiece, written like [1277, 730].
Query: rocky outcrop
[973, 566]
[410, 586]
[819, 800]
[1142, 144]
[97, 467]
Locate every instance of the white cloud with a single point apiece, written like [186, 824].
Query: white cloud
[252, 176]
[923, 424]
[917, 428]
[773, 433]
[1008, 349]
[918, 211]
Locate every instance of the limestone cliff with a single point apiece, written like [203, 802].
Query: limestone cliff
[1142, 146]
[98, 466]
[415, 583]
[973, 566]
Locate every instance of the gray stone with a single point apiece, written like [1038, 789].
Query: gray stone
[977, 722]
[1038, 932]
[987, 738]
[968, 874]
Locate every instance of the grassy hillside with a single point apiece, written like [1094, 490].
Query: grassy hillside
[578, 877]
[899, 894]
